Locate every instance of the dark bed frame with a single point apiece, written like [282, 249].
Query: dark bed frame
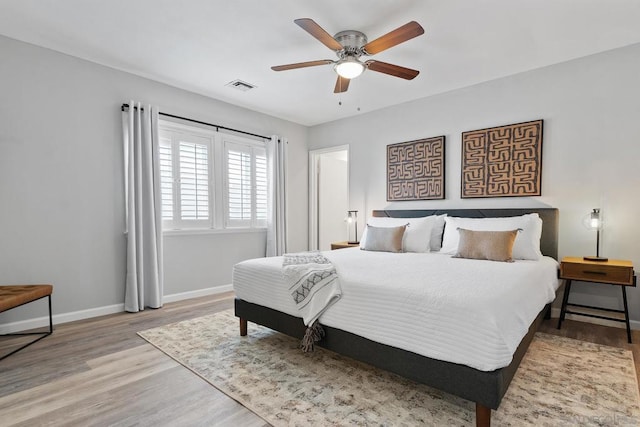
[486, 389]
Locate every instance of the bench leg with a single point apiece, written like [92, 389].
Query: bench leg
[42, 334]
[50, 317]
[626, 312]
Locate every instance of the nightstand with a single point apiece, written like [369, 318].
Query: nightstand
[612, 272]
[342, 245]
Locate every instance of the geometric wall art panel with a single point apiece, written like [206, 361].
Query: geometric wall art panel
[502, 161]
[415, 170]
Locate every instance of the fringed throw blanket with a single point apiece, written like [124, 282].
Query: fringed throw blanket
[313, 283]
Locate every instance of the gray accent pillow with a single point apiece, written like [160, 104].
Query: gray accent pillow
[384, 239]
[489, 245]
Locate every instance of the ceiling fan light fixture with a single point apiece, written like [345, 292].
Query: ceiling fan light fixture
[349, 67]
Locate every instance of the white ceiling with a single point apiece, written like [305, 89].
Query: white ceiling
[201, 45]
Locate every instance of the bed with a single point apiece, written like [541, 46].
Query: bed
[468, 378]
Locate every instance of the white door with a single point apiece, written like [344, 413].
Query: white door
[329, 196]
[332, 201]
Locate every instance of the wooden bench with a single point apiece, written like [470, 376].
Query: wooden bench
[16, 295]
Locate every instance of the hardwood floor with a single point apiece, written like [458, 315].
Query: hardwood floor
[99, 372]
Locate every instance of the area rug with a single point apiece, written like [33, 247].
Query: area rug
[560, 381]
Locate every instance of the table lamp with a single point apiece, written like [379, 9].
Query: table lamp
[594, 222]
[352, 226]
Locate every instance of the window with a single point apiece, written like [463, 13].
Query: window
[211, 180]
[185, 178]
[246, 185]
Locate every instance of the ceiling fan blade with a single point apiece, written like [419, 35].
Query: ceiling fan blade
[395, 37]
[301, 65]
[392, 70]
[342, 85]
[310, 26]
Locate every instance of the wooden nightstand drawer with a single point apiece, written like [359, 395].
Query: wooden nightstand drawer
[608, 272]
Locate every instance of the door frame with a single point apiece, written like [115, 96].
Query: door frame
[314, 155]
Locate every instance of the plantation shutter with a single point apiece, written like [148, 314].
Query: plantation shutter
[185, 179]
[194, 181]
[246, 192]
[239, 167]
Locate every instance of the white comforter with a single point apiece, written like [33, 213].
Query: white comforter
[463, 311]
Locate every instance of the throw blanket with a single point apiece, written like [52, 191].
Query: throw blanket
[313, 283]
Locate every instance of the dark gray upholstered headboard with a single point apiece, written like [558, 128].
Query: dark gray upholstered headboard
[549, 216]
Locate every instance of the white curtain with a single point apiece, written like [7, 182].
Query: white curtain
[144, 283]
[277, 196]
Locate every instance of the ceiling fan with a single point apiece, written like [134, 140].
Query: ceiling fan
[350, 45]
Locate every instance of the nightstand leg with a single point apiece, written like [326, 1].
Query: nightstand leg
[626, 312]
[565, 299]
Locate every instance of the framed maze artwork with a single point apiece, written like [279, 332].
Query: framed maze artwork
[502, 161]
[415, 170]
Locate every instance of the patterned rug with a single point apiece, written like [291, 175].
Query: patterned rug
[560, 381]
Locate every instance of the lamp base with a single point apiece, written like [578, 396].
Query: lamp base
[595, 258]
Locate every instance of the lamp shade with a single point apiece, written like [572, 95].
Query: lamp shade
[593, 221]
[352, 226]
[349, 67]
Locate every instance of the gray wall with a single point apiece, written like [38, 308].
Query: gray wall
[61, 187]
[590, 152]
[61, 198]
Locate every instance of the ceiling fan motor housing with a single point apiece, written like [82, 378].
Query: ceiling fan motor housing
[352, 41]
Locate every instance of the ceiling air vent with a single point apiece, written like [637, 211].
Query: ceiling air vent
[240, 85]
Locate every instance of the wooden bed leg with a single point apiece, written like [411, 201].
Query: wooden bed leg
[483, 416]
[243, 327]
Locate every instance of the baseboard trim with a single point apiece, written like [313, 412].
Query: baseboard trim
[39, 322]
[634, 324]
[198, 293]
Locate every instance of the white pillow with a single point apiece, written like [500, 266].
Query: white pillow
[417, 236]
[526, 246]
[436, 233]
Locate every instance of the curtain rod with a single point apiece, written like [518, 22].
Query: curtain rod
[125, 106]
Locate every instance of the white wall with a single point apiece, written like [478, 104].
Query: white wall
[61, 187]
[591, 149]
